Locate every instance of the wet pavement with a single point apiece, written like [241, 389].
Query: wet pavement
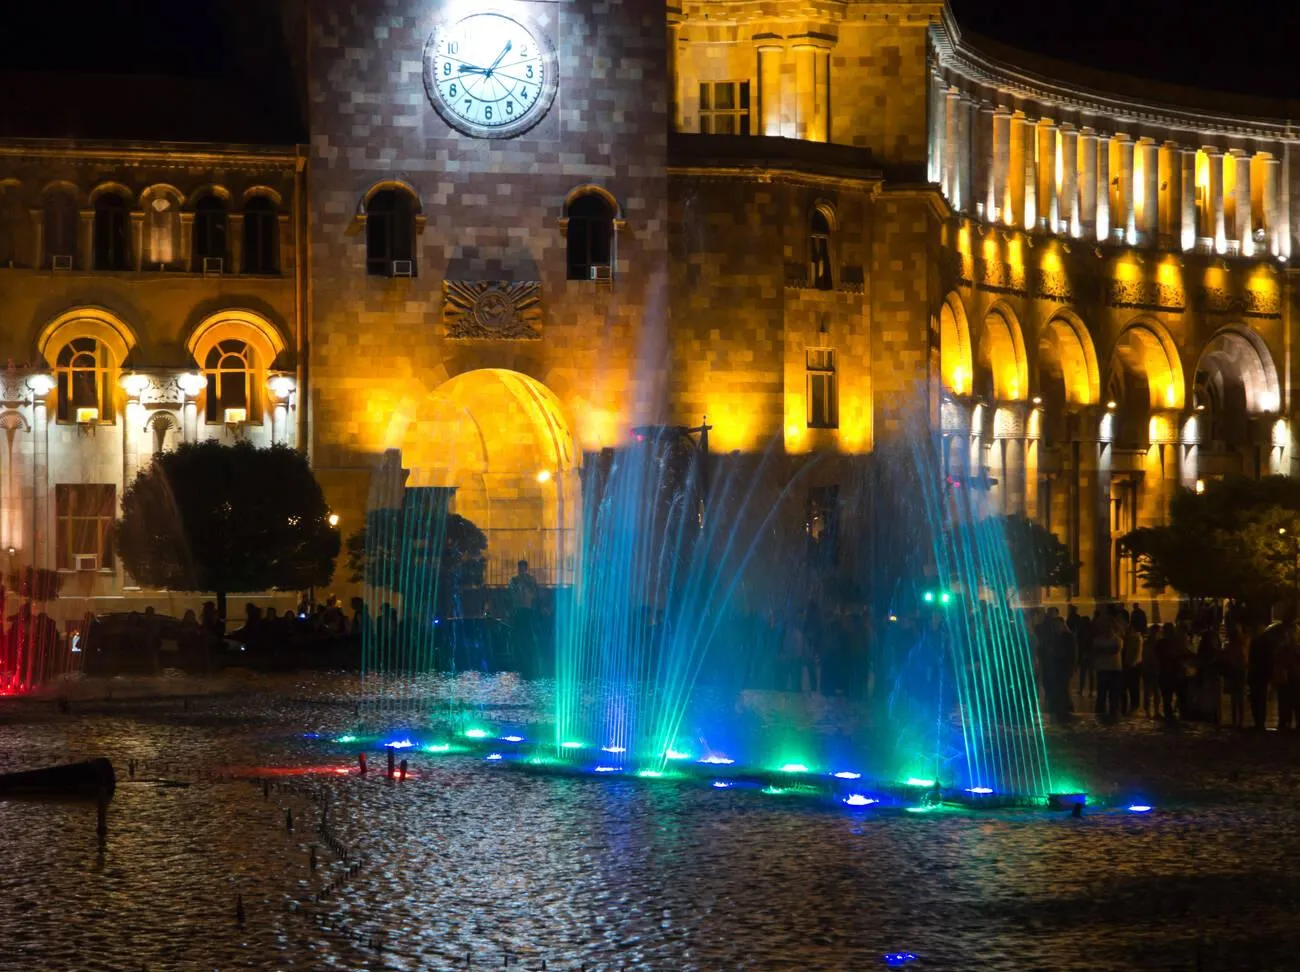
[468, 865]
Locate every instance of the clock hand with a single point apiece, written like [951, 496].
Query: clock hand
[471, 69]
[501, 57]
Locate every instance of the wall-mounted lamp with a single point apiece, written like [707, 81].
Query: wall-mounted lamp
[40, 384]
[1111, 405]
[281, 386]
[191, 384]
[135, 383]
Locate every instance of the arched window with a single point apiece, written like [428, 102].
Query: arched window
[209, 232]
[60, 230]
[261, 236]
[819, 250]
[390, 234]
[112, 239]
[230, 371]
[15, 229]
[164, 216]
[590, 237]
[85, 392]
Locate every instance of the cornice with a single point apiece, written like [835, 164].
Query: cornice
[766, 175]
[159, 154]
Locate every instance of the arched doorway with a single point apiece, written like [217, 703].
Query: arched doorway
[501, 441]
[1236, 385]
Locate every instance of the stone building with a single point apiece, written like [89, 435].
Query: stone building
[518, 232]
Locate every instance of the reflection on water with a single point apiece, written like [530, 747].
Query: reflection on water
[467, 859]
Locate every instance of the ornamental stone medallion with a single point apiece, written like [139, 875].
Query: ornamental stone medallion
[492, 309]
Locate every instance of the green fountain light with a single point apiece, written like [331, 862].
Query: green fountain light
[919, 781]
[476, 734]
[438, 748]
[346, 739]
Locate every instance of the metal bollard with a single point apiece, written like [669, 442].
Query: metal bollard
[402, 770]
[288, 819]
[239, 908]
[392, 764]
[361, 761]
[313, 857]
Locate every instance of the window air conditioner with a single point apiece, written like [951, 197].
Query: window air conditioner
[87, 561]
[61, 262]
[87, 416]
[403, 268]
[213, 265]
[234, 416]
[602, 271]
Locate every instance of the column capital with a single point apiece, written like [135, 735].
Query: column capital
[1067, 128]
[1122, 137]
[1212, 151]
[1047, 122]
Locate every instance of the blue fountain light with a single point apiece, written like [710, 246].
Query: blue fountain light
[613, 749]
[847, 775]
[979, 790]
[858, 800]
[717, 760]
[898, 959]
[399, 744]
[570, 744]
[606, 769]
[512, 739]
[677, 754]
[493, 756]
[1139, 808]
[721, 785]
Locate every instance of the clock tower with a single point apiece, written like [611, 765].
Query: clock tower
[489, 250]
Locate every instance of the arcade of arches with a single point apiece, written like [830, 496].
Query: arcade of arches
[1092, 441]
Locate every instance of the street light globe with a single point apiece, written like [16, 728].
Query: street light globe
[41, 384]
[544, 476]
[334, 519]
[191, 384]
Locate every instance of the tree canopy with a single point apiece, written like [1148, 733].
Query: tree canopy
[209, 517]
[1239, 539]
[1038, 557]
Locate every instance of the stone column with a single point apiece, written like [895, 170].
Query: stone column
[1103, 187]
[982, 158]
[1067, 205]
[1218, 229]
[1013, 494]
[187, 242]
[1125, 217]
[235, 245]
[1170, 176]
[1243, 229]
[137, 239]
[85, 256]
[1088, 181]
[1001, 205]
[40, 546]
[1150, 225]
[1030, 132]
[674, 82]
[1049, 213]
[1272, 181]
[965, 125]
[938, 128]
[951, 146]
[1015, 201]
[809, 122]
[285, 239]
[1187, 198]
[38, 237]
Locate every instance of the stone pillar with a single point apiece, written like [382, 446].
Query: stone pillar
[1049, 214]
[1088, 180]
[790, 94]
[982, 159]
[85, 256]
[1100, 518]
[951, 146]
[810, 100]
[1272, 181]
[190, 420]
[1015, 201]
[1125, 217]
[1218, 229]
[1103, 187]
[38, 237]
[674, 82]
[1243, 228]
[187, 242]
[40, 545]
[137, 239]
[1067, 205]
[235, 243]
[1187, 198]
[938, 128]
[965, 125]
[285, 239]
[1000, 209]
[1150, 215]
[1170, 176]
[1013, 494]
[1030, 133]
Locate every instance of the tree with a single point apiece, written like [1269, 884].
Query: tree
[208, 517]
[390, 554]
[35, 583]
[1236, 540]
[1038, 557]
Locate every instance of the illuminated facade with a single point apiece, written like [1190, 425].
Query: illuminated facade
[814, 222]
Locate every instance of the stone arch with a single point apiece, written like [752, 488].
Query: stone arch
[503, 441]
[399, 184]
[1002, 372]
[162, 204]
[1067, 361]
[955, 361]
[827, 208]
[590, 189]
[116, 187]
[55, 186]
[1239, 354]
[252, 192]
[238, 324]
[209, 189]
[95, 322]
[160, 425]
[1145, 349]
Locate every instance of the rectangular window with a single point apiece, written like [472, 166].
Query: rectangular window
[823, 522]
[823, 404]
[724, 108]
[84, 515]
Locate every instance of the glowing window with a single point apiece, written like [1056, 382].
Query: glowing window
[819, 250]
[84, 525]
[823, 405]
[82, 373]
[229, 369]
[724, 108]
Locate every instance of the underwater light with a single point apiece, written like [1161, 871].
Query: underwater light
[570, 745]
[650, 774]
[438, 748]
[717, 760]
[346, 739]
[773, 790]
[917, 781]
[721, 785]
[858, 800]
[476, 734]
[794, 768]
[928, 597]
[918, 809]
[399, 744]
[606, 769]
[895, 959]
[1139, 808]
[512, 738]
[674, 754]
[613, 749]
[980, 790]
[493, 756]
[847, 775]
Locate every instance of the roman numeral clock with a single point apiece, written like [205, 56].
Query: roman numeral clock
[490, 74]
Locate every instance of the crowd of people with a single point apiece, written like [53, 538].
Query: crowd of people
[1125, 663]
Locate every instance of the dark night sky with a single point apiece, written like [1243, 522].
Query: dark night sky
[1195, 42]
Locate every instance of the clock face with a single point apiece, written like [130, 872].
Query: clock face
[490, 75]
